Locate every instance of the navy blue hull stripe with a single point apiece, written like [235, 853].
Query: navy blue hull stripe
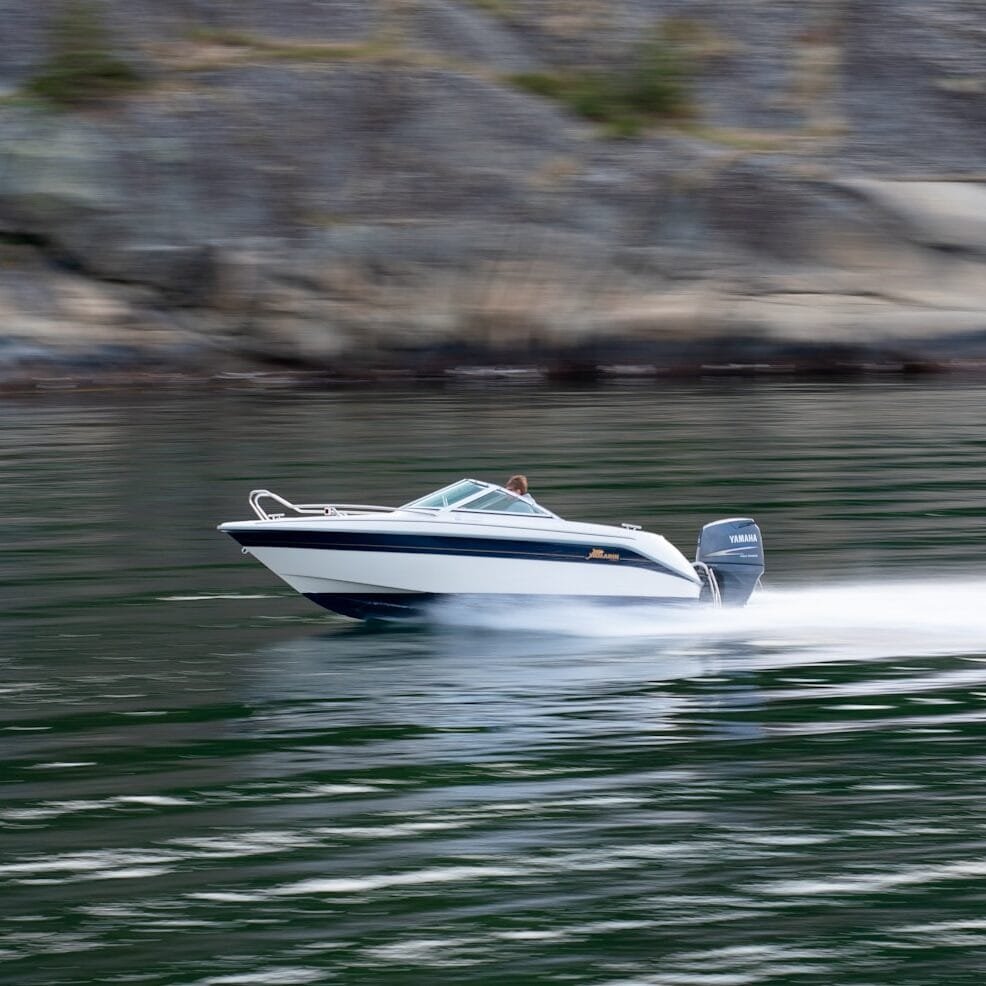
[396, 606]
[418, 544]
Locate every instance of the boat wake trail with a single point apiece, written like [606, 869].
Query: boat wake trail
[864, 620]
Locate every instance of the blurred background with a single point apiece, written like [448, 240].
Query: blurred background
[407, 183]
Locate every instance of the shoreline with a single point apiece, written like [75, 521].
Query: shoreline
[269, 378]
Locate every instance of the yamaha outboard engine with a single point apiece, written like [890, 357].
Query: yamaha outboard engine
[730, 560]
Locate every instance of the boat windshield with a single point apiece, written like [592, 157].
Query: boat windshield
[450, 495]
[470, 494]
[501, 502]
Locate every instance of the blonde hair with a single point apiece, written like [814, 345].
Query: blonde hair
[517, 483]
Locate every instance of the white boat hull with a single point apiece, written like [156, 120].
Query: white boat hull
[396, 565]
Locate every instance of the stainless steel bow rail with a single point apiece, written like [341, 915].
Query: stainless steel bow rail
[309, 509]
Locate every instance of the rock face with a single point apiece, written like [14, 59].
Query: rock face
[333, 181]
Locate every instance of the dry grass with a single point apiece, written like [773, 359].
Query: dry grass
[501, 9]
[225, 45]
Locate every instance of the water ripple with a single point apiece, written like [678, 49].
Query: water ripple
[208, 782]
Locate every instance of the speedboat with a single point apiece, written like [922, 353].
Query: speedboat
[478, 539]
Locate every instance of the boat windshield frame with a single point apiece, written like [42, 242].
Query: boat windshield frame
[481, 491]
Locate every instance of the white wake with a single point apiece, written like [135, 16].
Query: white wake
[865, 620]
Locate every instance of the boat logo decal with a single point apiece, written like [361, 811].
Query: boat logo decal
[743, 538]
[604, 555]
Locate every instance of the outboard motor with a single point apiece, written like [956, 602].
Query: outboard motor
[729, 559]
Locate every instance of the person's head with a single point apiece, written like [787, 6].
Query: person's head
[517, 484]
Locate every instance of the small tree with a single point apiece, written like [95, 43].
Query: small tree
[81, 67]
[652, 84]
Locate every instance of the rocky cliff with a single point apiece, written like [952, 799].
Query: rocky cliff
[400, 182]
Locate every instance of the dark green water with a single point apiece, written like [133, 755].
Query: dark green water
[207, 781]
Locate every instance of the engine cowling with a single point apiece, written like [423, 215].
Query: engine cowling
[733, 551]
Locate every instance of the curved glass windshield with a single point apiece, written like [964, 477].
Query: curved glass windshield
[449, 495]
[499, 501]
